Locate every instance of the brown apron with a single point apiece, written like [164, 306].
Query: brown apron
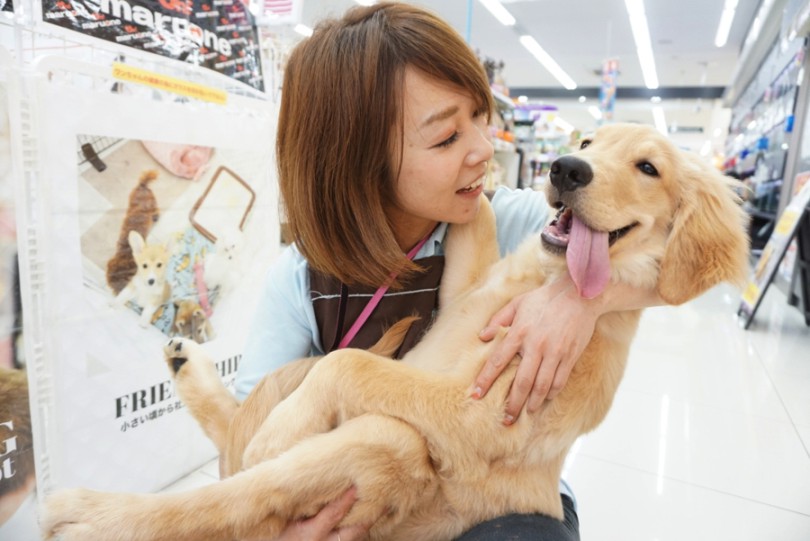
[338, 306]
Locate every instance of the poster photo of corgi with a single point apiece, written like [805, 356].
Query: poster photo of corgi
[142, 213]
[148, 287]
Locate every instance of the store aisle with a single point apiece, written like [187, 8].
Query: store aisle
[709, 434]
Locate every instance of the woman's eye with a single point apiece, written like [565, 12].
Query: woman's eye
[449, 141]
[648, 169]
[584, 143]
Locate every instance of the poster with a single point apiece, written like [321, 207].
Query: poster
[773, 253]
[278, 12]
[219, 35]
[157, 219]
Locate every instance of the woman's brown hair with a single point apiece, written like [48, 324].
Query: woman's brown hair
[341, 107]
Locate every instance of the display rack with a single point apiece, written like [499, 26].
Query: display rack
[759, 135]
[506, 169]
[792, 222]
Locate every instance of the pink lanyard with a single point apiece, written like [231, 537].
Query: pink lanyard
[375, 299]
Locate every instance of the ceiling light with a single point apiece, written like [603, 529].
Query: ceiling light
[595, 112]
[656, 99]
[756, 25]
[641, 34]
[543, 57]
[499, 12]
[706, 148]
[659, 119]
[725, 23]
[303, 29]
[582, 99]
[365, 2]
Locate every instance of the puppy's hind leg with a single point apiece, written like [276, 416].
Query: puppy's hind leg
[385, 459]
[201, 389]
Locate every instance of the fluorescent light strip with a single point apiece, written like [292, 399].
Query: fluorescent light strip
[595, 112]
[543, 57]
[641, 34]
[726, 19]
[365, 2]
[499, 12]
[756, 26]
[660, 120]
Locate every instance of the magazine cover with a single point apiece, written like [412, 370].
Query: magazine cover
[158, 220]
[219, 35]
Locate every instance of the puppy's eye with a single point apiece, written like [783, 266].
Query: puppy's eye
[647, 168]
[584, 143]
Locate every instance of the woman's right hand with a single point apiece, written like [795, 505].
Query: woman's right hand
[322, 527]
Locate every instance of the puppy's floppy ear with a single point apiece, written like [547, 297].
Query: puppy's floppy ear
[708, 243]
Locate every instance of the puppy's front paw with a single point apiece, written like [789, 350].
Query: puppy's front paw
[74, 515]
[191, 357]
[177, 351]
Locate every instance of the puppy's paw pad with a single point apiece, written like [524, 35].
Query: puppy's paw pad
[177, 353]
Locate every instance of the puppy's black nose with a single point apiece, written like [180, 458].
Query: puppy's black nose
[569, 173]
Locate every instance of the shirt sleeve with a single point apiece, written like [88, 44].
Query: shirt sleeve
[283, 328]
[518, 214]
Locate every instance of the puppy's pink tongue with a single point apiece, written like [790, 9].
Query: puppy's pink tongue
[587, 257]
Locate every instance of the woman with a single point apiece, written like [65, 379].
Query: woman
[382, 144]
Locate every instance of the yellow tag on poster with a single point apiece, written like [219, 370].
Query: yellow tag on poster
[786, 222]
[132, 74]
[751, 293]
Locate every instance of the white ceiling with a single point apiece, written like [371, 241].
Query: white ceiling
[581, 34]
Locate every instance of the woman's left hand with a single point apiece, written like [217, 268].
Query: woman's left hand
[549, 328]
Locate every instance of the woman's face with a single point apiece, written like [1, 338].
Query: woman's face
[445, 151]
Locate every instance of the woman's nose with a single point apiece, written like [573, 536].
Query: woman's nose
[482, 149]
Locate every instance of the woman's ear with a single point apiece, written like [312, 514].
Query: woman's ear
[708, 241]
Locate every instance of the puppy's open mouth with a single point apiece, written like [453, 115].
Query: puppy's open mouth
[557, 234]
[586, 250]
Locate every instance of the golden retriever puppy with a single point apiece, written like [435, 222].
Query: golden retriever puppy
[427, 460]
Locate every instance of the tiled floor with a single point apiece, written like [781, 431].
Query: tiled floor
[709, 434]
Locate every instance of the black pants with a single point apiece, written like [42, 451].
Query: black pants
[528, 527]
